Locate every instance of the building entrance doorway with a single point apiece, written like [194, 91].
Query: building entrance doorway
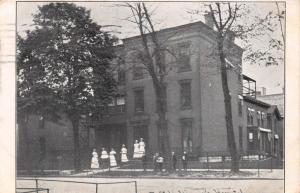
[140, 131]
[111, 136]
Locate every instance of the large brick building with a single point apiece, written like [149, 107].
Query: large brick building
[195, 104]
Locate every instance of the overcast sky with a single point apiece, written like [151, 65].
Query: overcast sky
[168, 14]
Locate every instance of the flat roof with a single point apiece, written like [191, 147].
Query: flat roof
[255, 101]
[248, 78]
[199, 23]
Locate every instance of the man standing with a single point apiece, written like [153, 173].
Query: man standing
[155, 161]
[144, 161]
[174, 160]
[184, 160]
[160, 161]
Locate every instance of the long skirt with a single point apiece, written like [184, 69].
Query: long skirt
[94, 163]
[112, 160]
[124, 158]
[136, 153]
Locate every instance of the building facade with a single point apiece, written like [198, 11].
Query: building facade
[274, 99]
[195, 103]
[264, 128]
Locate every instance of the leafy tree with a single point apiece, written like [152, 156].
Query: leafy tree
[63, 66]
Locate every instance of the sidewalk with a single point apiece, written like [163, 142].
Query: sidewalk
[276, 174]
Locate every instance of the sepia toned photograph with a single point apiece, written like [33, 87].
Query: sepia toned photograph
[150, 97]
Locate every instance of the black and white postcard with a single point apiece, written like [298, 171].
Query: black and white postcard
[150, 97]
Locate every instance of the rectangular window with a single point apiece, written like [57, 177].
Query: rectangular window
[120, 104]
[121, 77]
[275, 126]
[111, 106]
[187, 135]
[250, 137]
[262, 119]
[183, 58]
[139, 100]
[250, 116]
[269, 121]
[111, 103]
[258, 119]
[241, 137]
[185, 95]
[121, 100]
[138, 73]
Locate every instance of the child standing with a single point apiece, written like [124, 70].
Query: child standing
[123, 152]
[94, 162]
[104, 157]
[112, 158]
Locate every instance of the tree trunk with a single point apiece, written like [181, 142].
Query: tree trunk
[161, 103]
[228, 111]
[24, 127]
[75, 124]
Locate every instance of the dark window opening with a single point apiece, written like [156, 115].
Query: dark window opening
[121, 77]
[185, 94]
[269, 121]
[139, 100]
[138, 73]
[187, 135]
[183, 58]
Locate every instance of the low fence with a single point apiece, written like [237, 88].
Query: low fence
[214, 166]
[32, 190]
[67, 186]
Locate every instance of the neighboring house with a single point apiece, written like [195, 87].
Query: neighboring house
[264, 127]
[274, 99]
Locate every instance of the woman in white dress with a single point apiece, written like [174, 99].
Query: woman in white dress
[94, 162]
[136, 149]
[112, 158]
[104, 157]
[141, 147]
[124, 158]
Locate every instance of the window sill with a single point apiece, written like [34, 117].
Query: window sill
[184, 70]
[186, 108]
[139, 112]
[137, 78]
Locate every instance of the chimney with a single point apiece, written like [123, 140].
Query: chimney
[263, 90]
[209, 20]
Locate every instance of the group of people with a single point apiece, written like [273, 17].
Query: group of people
[158, 161]
[139, 152]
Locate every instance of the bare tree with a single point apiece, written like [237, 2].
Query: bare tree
[151, 56]
[223, 26]
[230, 19]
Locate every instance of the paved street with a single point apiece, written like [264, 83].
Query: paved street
[157, 185]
